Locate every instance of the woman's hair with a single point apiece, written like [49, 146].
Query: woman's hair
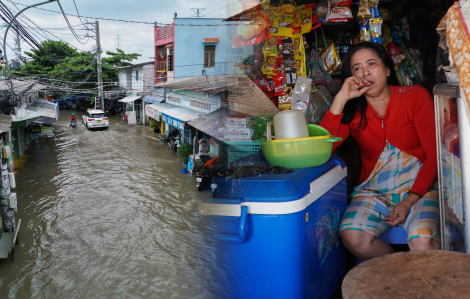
[359, 105]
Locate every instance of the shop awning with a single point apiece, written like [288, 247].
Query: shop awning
[40, 112]
[155, 110]
[209, 84]
[157, 96]
[176, 117]
[129, 99]
[169, 45]
[210, 123]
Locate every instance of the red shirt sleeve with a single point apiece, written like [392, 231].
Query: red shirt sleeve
[332, 123]
[424, 121]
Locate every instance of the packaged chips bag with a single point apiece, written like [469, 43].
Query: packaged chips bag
[364, 29]
[364, 9]
[331, 59]
[339, 11]
[298, 14]
[309, 18]
[376, 30]
[375, 12]
[279, 84]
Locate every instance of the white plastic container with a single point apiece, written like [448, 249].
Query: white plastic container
[11, 175]
[290, 124]
[13, 202]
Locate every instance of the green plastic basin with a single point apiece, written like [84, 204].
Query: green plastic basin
[299, 152]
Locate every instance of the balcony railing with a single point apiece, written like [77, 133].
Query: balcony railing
[161, 66]
[163, 32]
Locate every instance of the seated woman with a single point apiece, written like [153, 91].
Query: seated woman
[395, 129]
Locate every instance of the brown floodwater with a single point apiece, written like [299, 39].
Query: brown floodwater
[107, 214]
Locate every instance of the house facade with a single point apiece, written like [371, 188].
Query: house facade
[138, 79]
[191, 45]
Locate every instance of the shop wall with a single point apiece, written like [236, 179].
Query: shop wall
[189, 47]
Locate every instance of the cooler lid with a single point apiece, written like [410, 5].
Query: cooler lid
[270, 187]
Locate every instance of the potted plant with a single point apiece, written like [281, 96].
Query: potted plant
[184, 151]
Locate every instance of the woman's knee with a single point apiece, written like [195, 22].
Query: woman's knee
[424, 243]
[353, 239]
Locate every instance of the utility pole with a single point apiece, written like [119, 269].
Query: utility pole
[98, 65]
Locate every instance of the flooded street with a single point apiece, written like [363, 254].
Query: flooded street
[106, 214]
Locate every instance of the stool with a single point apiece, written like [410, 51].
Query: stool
[395, 235]
[411, 274]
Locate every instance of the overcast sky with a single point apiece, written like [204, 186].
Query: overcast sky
[134, 38]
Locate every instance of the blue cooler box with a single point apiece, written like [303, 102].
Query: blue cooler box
[277, 235]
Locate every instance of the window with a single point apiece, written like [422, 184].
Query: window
[209, 56]
[136, 75]
[100, 115]
[170, 61]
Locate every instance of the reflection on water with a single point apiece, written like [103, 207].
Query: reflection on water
[107, 214]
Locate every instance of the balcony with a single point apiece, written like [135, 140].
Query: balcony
[161, 66]
[162, 33]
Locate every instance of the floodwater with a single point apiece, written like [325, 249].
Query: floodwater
[107, 214]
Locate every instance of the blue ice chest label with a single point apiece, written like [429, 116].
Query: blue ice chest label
[327, 233]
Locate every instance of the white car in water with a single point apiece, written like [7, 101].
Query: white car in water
[95, 119]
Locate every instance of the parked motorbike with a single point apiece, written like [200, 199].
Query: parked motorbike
[205, 176]
[112, 111]
[174, 143]
[73, 124]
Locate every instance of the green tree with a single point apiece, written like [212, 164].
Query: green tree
[119, 58]
[66, 66]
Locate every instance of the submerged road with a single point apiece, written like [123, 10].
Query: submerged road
[107, 214]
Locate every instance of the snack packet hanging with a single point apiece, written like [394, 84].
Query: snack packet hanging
[298, 15]
[308, 18]
[364, 35]
[331, 59]
[344, 3]
[376, 30]
[297, 42]
[364, 9]
[374, 9]
[337, 13]
[395, 54]
[279, 83]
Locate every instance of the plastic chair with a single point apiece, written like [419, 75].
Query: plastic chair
[395, 235]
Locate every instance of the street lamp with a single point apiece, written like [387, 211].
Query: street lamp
[5, 37]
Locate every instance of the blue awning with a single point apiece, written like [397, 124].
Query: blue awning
[176, 117]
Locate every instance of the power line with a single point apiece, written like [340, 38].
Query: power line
[126, 21]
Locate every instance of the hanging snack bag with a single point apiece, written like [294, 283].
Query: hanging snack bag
[298, 13]
[308, 18]
[395, 54]
[344, 3]
[364, 35]
[271, 62]
[297, 44]
[331, 59]
[364, 9]
[284, 103]
[337, 13]
[374, 9]
[279, 83]
[376, 30]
